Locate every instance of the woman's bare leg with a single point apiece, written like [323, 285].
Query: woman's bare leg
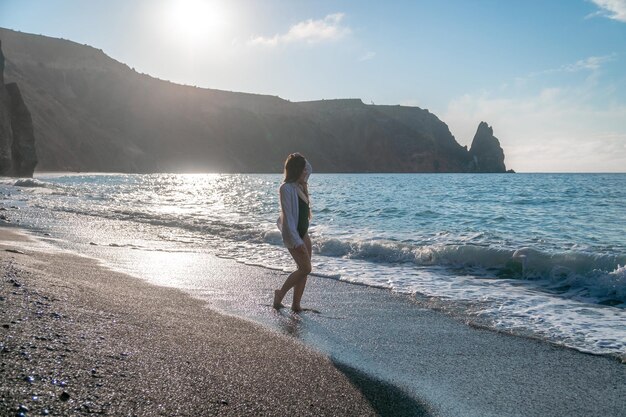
[298, 289]
[301, 256]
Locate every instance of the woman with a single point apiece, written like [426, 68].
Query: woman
[293, 223]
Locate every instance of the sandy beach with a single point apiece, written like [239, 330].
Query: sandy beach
[118, 345]
[78, 339]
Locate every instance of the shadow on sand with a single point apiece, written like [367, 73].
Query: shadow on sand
[385, 398]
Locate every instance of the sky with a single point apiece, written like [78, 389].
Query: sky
[548, 75]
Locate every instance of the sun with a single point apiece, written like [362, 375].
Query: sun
[195, 21]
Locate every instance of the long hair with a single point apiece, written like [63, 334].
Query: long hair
[294, 165]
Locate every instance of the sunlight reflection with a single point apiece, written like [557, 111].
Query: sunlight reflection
[187, 194]
[172, 269]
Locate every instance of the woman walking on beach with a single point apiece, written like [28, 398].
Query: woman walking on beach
[293, 223]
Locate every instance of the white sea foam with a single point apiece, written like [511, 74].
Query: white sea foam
[29, 182]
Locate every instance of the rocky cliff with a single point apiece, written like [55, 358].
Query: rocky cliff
[17, 139]
[486, 153]
[92, 113]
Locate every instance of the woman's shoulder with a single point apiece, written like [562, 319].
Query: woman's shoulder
[288, 186]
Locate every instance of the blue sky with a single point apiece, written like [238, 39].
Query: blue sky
[549, 75]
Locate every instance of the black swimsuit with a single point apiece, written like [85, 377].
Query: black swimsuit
[303, 217]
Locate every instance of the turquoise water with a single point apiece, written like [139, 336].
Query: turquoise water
[537, 254]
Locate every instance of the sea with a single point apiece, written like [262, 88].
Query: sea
[538, 255]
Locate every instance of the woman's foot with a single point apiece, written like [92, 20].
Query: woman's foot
[296, 309]
[278, 300]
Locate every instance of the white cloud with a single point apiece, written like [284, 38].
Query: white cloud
[367, 56]
[592, 63]
[613, 9]
[309, 31]
[555, 130]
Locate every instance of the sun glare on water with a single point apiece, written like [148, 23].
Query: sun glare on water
[195, 21]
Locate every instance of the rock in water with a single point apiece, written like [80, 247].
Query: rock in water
[17, 138]
[23, 147]
[5, 123]
[1, 65]
[486, 153]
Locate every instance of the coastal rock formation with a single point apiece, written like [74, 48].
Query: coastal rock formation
[92, 113]
[17, 140]
[1, 65]
[486, 153]
[24, 156]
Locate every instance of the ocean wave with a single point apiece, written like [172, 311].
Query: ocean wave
[31, 183]
[525, 263]
[597, 278]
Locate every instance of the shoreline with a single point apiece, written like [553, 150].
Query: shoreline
[405, 359]
[73, 343]
[472, 265]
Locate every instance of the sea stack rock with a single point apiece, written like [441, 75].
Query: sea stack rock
[17, 139]
[486, 153]
[5, 123]
[24, 157]
[1, 65]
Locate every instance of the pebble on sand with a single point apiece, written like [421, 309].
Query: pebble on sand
[14, 250]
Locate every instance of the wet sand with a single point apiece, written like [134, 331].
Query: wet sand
[437, 359]
[77, 338]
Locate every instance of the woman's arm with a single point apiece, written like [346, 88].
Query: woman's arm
[289, 207]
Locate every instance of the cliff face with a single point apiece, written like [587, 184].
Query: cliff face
[17, 139]
[92, 113]
[486, 153]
